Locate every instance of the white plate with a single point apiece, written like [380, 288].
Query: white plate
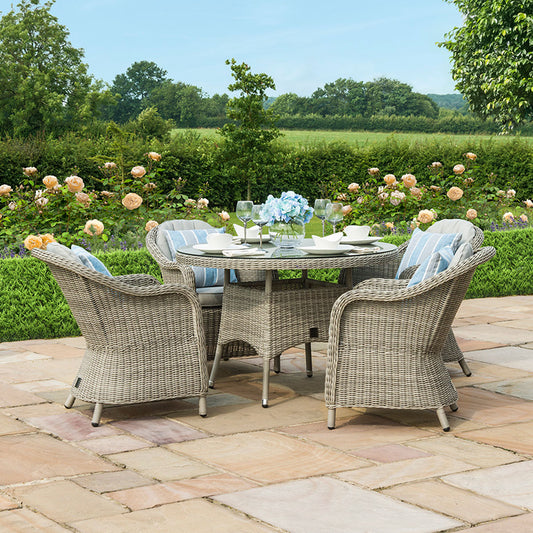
[365, 240]
[216, 249]
[342, 248]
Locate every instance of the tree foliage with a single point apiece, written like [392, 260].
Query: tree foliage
[44, 84]
[492, 55]
[249, 135]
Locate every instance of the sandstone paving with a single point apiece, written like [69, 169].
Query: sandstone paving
[26, 521]
[43, 385]
[389, 453]
[518, 524]
[520, 388]
[493, 333]
[7, 503]
[512, 484]
[119, 480]
[460, 504]
[11, 397]
[508, 356]
[322, 507]
[10, 426]
[114, 444]
[198, 516]
[64, 501]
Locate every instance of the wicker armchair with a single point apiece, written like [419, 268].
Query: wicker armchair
[386, 339]
[145, 341]
[174, 273]
[451, 351]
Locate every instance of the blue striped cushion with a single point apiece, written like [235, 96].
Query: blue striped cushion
[204, 277]
[89, 260]
[422, 245]
[435, 263]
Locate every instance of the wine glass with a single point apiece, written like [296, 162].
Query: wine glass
[320, 211]
[244, 213]
[334, 214]
[259, 217]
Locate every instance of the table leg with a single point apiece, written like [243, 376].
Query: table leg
[308, 360]
[277, 364]
[266, 377]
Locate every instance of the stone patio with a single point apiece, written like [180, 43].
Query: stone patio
[161, 468]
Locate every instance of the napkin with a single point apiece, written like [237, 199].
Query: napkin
[331, 241]
[252, 232]
[243, 252]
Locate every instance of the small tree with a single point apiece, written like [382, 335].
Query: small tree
[248, 139]
[492, 56]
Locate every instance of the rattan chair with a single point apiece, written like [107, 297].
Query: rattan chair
[386, 339]
[145, 341]
[451, 351]
[174, 273]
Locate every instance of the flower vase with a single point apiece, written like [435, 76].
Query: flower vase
[287, 234]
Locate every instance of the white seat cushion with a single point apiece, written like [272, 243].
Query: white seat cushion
[454, 225]
[463, 252]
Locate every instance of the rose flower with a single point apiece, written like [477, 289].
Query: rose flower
[132, 201]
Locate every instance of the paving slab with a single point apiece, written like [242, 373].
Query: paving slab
[508, 356]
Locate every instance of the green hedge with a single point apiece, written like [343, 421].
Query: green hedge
[33, 306]
[303, 169]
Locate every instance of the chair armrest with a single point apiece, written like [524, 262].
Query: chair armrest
[140, 280]
[382, 284]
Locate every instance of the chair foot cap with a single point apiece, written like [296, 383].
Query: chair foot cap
[67, 406]
[203, 416]
[454, 409]
[468, 375]
[277, 371]
[446, 429]
[264, 403]
[309, 374]
[331, 428]
[95, 424]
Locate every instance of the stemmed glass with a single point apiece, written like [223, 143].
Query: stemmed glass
[334, 214]
[320, 211]
[244, 213]
[259, 218]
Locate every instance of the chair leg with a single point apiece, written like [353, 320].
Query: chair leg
[97, 414]
[443, 419]
[70, 401]
[214, 368]
[466, 369]
[308, 360]
[331, 418]
[202, 406]
[454, 407]
[266, 377]
[277, 364]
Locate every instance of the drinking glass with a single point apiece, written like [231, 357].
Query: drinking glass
[259, 218]
[244, 213]
[334, 214]
[320, 211]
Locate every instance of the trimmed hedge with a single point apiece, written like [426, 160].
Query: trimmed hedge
[303, 169]
[33, 306]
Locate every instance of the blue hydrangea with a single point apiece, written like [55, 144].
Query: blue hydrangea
[288, 207]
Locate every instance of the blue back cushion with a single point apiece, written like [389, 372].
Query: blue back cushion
[89, 260]
[422, 245]
[204, 277]
[435, 263]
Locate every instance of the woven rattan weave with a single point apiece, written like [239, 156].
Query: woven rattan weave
[386, 339]
[145, 341]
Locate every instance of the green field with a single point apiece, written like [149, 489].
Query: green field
[362, 138]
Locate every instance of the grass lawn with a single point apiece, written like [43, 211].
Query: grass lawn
[362, 138]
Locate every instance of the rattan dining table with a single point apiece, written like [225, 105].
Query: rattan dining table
[275, 314]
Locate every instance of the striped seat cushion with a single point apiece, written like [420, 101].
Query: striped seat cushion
[435, 263]
[204, 277]
[422, 245]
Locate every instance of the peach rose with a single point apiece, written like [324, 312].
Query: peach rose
[12, 206]
[528, 203]
[5, 190]
[202, 203]
[33, 241]
[93, 227]
[500, 193]
[390, 179]
[74, 183]
[425, 216]
[508, 217]
[346, 209]
[150, 225]
[41, 201]
[389, 225]
[47, 238]
[107, 194]
[83, 198]
[50, 182]
[511, 193]
[523, 217]
[138, 172]
[29, 171]
[190, 202]
[149, 186]
[132, 201]
[353, 187]
[436, 164]
[471, 214]
[471, 156]
[374, 171]
[459, 169]
[435, 188]
[224, 215]
[409, 180]
[396, 197]
[414, 224]
[154, 156]
[342, 197]
[110, 164]
[416, 192]
[455, 193]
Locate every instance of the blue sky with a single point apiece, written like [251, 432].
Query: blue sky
[302, 44]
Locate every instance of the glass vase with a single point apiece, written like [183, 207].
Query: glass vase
[287, 234]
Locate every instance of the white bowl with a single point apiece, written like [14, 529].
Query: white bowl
[328, 243]
[219, 240]
[357, 232]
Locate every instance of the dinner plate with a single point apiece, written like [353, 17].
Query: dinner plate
[216, 249]
[365, 240]
[341, 249]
